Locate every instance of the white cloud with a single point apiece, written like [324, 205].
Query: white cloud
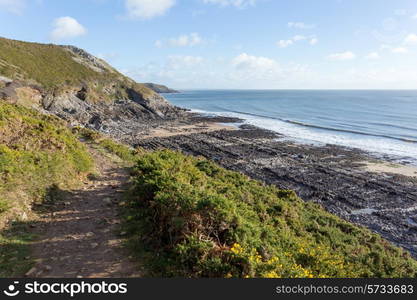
[373, 55]
[411, 39]
[399, 50]
[175, 71]
[183, 61]
[301, 25]
[415, 16]
[67, 27]
[314, 41]
[396, 50]
[245, 61]
[348, 55]
[249, 71]
[147, 9]
[284, 43]
[374, 78]
[185, 40]
[13, 6]
[235, 3]
[297, 38]
[254, 70]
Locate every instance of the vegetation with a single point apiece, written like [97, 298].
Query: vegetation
[15, 257]
[123, 152]
[37, 151]
[48, 65]
[57, 70]
[189, 216]
[196, 219]
[37, 154]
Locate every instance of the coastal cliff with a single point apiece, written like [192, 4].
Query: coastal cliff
[76, 86]
[193, 217]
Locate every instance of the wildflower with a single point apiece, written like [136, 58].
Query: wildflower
[271, 274]
[236, 248]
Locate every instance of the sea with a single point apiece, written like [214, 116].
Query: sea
[382, 122]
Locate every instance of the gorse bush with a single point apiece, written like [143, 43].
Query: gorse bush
[37, 151]
[122, 151]
[201, 220]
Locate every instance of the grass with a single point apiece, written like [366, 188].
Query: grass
[193, 218]
[107, 145]
[38, 153]
[56, 71]
[4, 206]
[15, 257]
[48, 65]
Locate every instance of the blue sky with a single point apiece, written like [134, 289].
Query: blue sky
[254, 44]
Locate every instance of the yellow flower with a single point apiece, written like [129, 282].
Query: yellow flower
[271, 274]
[236, 248]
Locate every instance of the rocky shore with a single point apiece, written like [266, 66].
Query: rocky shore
[336, 177]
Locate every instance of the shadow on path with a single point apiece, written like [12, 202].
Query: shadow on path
[78, 233]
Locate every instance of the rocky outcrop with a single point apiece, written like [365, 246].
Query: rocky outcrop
[117, 117]
[89, 60]
[78, 87]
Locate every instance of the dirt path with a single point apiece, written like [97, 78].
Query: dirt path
[78, 238]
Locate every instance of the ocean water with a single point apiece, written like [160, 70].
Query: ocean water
[381, 122]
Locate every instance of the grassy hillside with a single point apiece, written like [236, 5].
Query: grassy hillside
[48, 65]
[196, 219]
[38, 154]
[57, 69]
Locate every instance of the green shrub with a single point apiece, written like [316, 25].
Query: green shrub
[201, 220]
[122, 151]
[36, 152]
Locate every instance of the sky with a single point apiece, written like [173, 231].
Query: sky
[233, 44]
